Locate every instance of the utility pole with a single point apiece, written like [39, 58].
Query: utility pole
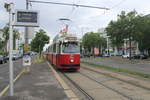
[108, 45]
[26, 28]
[130, 53]
[9, 7]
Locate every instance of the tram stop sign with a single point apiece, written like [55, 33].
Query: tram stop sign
[26, 60]
[26, 18]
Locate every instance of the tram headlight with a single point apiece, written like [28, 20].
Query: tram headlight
[71, 60]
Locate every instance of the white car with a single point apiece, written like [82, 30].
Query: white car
[126, 56]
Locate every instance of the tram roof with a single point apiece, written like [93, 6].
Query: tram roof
[62, 37]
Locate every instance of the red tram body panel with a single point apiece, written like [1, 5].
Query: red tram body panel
[64, 53]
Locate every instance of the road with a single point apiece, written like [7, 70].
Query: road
[4, 72]
[138, 66]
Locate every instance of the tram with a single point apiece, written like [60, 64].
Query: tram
[64, 52]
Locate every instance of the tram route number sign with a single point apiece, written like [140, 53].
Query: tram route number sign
[26, 18]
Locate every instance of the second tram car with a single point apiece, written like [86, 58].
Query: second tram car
[64, 53]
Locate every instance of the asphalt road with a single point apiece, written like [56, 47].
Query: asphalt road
[4, 72]
[138, 66]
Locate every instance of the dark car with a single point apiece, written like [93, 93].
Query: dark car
[87, 55]
[81, 55]
[140, 56]
[143, 56]
[3, 59]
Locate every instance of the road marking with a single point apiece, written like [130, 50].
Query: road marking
[7, 87]
[70, 94]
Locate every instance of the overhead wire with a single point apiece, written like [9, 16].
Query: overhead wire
[73, 9]
[118, 4]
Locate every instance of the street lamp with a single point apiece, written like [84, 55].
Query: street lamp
[125, 45]
[107, 37]
[9, 9]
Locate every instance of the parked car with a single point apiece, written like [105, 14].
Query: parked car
[81, 55]
[3, 59]
[15, 57]
[87, 55]
[128, 56]
[106, 55]
[140, 56]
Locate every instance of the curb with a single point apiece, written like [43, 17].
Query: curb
[7, 87]
[70, 94]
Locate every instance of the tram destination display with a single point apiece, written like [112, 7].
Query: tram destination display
[26, 18]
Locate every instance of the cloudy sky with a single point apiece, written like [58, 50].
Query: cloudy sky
[83, 19]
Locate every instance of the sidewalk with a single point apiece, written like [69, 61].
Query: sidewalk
[40, 84]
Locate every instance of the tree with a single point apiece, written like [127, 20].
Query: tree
[16, 35]
[91, 40]
[39, 41]
[130, 26]
[5, 32]
[144, 39]
[124, 28]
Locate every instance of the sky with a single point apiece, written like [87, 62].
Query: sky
[82, 19]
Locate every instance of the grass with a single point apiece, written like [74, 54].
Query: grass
[119, 70]
[123, 59]
[38, 59]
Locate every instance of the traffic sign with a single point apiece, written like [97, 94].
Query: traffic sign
[26, 47]
[26, 18]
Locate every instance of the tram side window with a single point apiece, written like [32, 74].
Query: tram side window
[54, 48]
[58, 48]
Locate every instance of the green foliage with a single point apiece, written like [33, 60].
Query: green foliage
[39, 41]
[5, 32]
[16, 35]
[92, 40]
[123, 28]
[130, 25]
[1, 44]
[3, 52]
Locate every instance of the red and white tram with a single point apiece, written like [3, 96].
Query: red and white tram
[64, 53]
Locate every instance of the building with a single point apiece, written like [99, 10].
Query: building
[109, 50]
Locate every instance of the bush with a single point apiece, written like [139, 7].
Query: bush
[3, 52]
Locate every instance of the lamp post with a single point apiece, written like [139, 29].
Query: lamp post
[125, 45]
[107, 37]
[9, 9]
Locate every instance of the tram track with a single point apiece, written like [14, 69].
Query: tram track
[79, 88]
[111, 88]
[129, 93]
[86, 94]
[115, 89]
[96, 71]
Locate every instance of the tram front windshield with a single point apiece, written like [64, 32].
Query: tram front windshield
[71, 47]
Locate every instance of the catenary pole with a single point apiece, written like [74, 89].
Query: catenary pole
[26, 28]
[10, 52]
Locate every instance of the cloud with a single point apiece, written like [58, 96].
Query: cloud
[81, 17]
[3, 15]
